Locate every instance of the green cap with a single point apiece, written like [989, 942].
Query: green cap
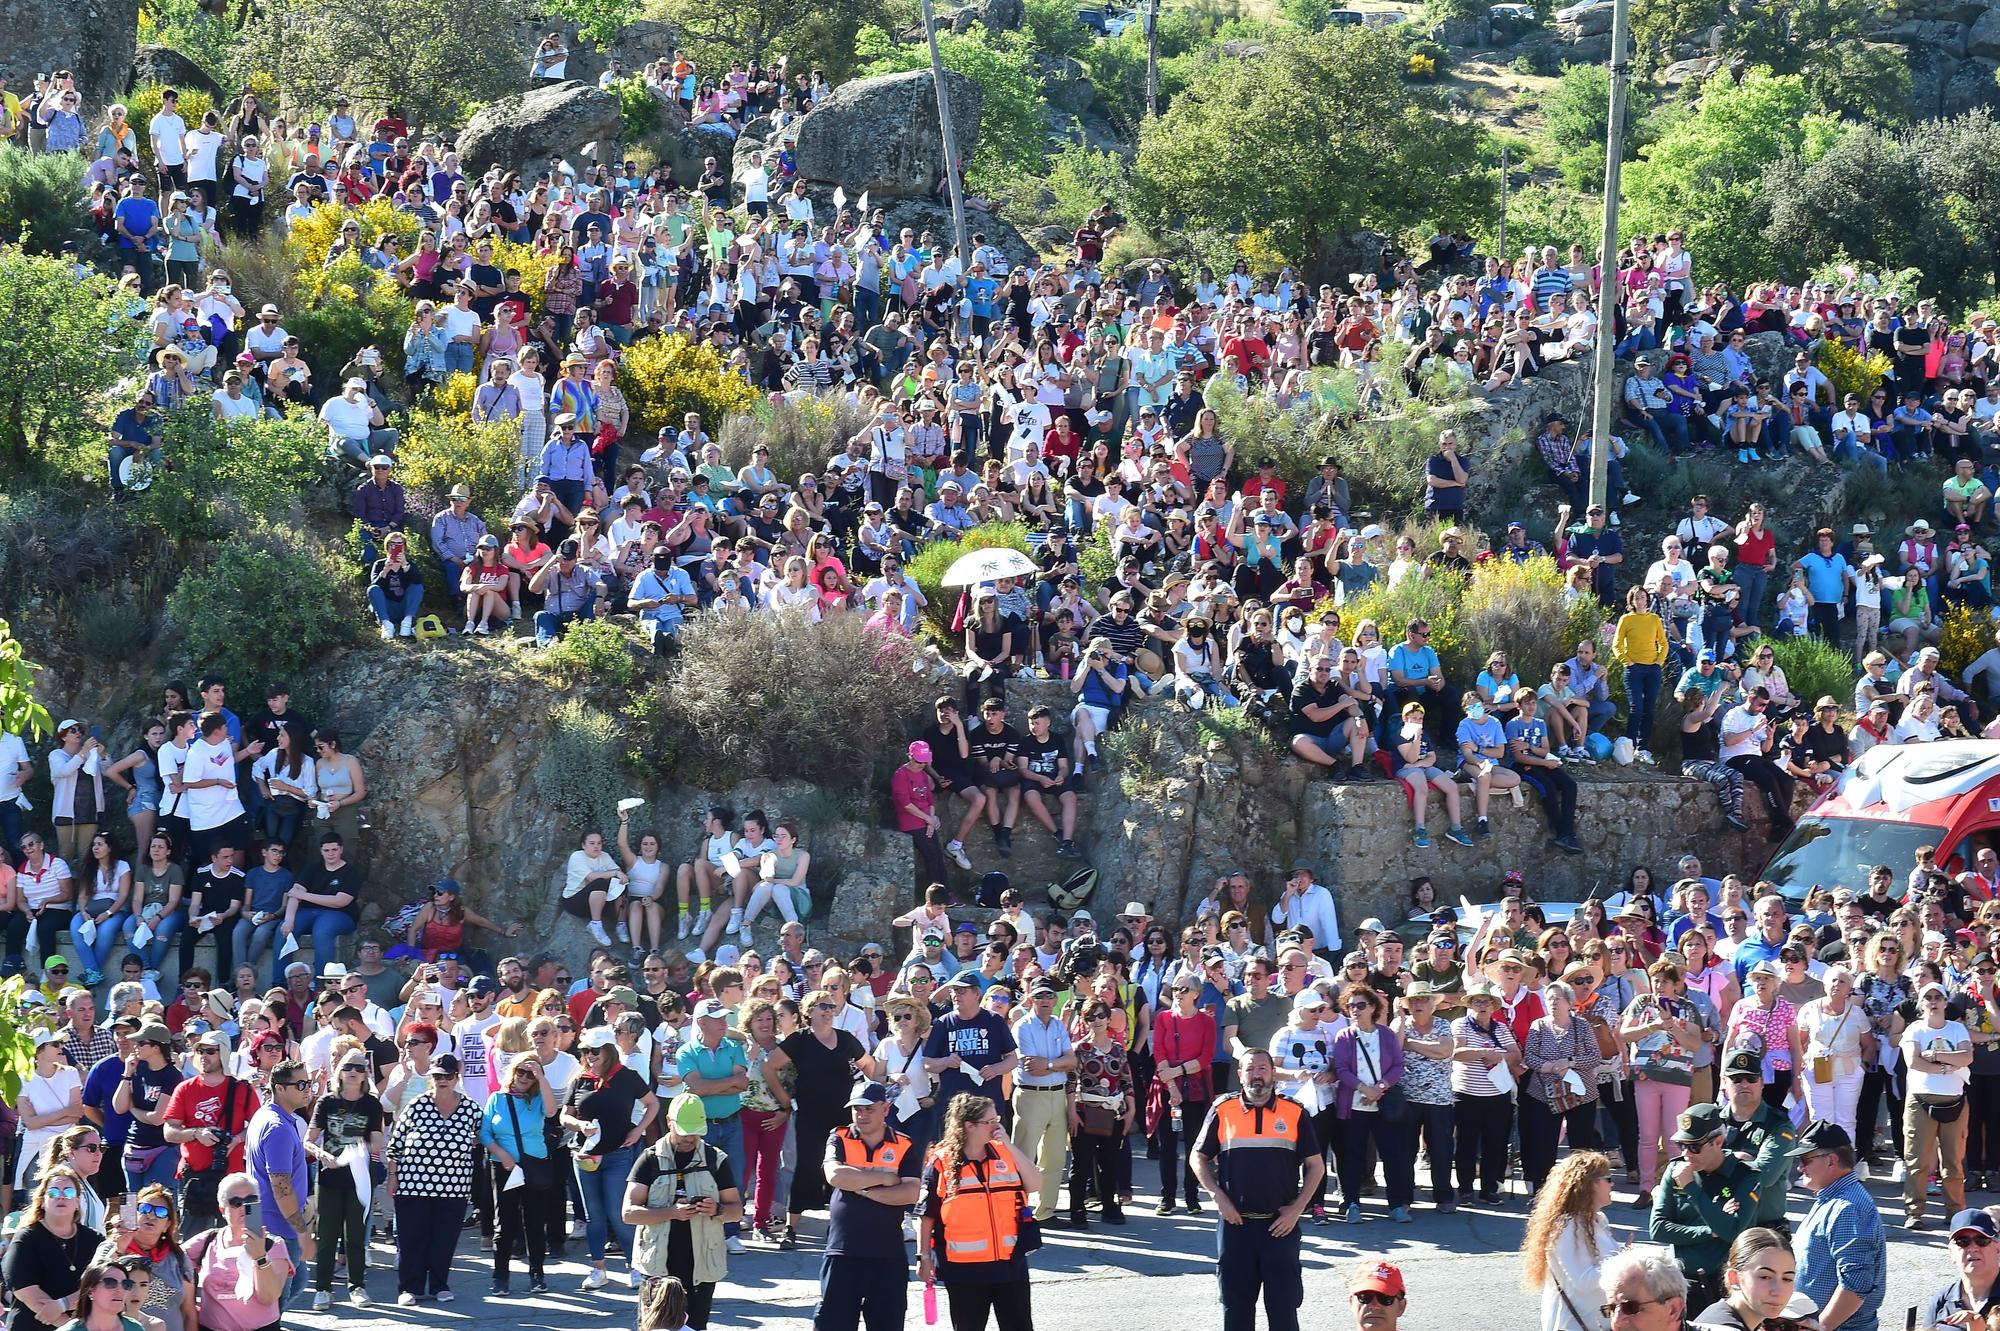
[1697, 1124]
[687, 1114]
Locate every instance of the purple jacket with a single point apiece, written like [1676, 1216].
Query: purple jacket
[1347, 1062]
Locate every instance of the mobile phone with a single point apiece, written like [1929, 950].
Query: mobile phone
[253, 1216]
[128, 1215]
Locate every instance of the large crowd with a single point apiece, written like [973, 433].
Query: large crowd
[205, 1145]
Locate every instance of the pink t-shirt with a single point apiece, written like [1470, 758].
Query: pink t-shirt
[226, 1269]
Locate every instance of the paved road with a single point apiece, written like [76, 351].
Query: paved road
[1455, 1264]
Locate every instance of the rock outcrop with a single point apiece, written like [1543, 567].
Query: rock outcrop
[881, 135]
[166, 67]
[523, 131]
[993, 15]
[93, 39]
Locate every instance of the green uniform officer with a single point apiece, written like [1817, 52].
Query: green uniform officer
[1760, 1135]
[1703, 1202]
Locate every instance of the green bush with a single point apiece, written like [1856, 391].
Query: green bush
[592, 651]
[935, 560]
[271, 604]
[143, 103]
[440, 450]
[1815, 669]
[110, 632]
[38, 194]
[1082, 178]
[581, 772]
[330, 335]
[59, 536]
[225, 474]
[801, 434]
[779, 696]
[639, 111]
[1520, 609]
[1433, 600]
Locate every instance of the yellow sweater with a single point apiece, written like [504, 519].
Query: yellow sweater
[1641, 639]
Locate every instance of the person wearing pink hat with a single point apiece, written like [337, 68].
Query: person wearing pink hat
[915, 797]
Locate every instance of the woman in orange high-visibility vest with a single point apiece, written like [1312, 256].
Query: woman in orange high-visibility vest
[976, 1187]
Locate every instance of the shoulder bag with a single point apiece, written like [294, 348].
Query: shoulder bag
[1394, 1106]
[538, 1172]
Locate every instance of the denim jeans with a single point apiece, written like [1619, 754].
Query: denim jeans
[458, 357]
[10, 830]
[1846, 448]
[1642, 694]
[164, 930]
[604, 1201]
[110, 935]
[160, 1171]
[326, 925]
[549, 624]
[391, 612]
[727, 1136]
[253, 940]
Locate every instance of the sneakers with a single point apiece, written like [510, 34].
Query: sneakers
[480, 630]
[539, 1285]
[1164, 1208]
[596, 929]
[1568, 845]
[444, 1296]
[388, 631]
[406, 1300]
[701, 919]
[633, 1279]
[322, 1300]
[956, 849]
[596, 1279]
[513, 610]
[1353, 1216]
[735, 1245]
[1320, 1217]
[408, 629]
[624, 934]
[735, 924]
[1482, 828]
[359, 1297]
[1646, 756]
[685, 924]
[1400, 1214]
[743, 933]
[1067, 850]
[1422, 838]
[1629, 498]
[1456, 835]
[499, 1289]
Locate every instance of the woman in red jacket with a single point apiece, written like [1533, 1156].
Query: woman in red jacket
[1184, 1038]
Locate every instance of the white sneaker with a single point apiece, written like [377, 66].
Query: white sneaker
[624, 934]
[1646, 757]
[359, 1298]
[701, 919]
[1629, 498]
[152, 975]
[407, 630]
[321, 1301]
[388, 631]
[597, 932]
[743, 932]
[514, 610]
[577, 1227]
[406, 1300]
[633, 1279]
[481, 629]
[695, 957]
[596, 1280]
[735, 920]
[735, 1246]
[683, 928]
[956, 849]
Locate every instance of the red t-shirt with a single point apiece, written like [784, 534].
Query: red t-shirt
[911, 785]
[580, 1004]
[194, 1104]
[1058, 444]
[1755, 548]
[1248, 354]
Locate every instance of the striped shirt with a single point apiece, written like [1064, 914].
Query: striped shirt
[1550, 282]
[1476, 1078]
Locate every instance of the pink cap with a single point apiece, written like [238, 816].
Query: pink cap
[920, 752]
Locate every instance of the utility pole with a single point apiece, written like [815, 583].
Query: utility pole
[1152, 58]
[1605, 363]
[1501, 243]
[953, 183]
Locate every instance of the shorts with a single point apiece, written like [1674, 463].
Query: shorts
[1002, 780]
[1424, 774]
[1100, 717]
[577, 906]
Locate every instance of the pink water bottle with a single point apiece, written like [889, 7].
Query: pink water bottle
[930, 1304]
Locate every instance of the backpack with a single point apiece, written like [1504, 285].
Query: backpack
[1074, 890]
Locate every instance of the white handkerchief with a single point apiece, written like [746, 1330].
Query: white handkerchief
[84, 930]
[142, 935]
[1311, 1096]
[732, 863]
[908, 1102]
[972, 1074]
[289, 946]
[515, 1179]
[32, 943]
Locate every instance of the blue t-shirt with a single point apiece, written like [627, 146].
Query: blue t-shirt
[1607, 542]
[980, 1041]
[1420, 663]
[1094, 694]
[1534, 733]
[1486, 733]
[275, 1148]
[139, 216]
[981, 291]
[98, 1088]
[695, 1060]
[268, 888]
[1499, 690]
[1826, 576]
[1450, 500]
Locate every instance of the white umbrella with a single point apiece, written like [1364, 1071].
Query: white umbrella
[998, 561]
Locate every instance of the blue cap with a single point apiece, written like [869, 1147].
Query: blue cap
[868, 1093]
[447, 886]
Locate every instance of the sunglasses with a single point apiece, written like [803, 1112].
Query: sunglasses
[238, 1203]
[154, 1210]
[1627, 1307]
[62, 1192]
[106, 1282]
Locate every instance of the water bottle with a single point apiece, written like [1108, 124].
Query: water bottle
[930, 1304]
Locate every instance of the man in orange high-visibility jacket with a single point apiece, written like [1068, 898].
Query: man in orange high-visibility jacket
[1259, 1157]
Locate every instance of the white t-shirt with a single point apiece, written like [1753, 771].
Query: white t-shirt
[349, 420]
[1923, 1037]
[473, 1052]
[1751, 742]
[169, 134]
[13, 755]
[211, 806]
[45, 1095]
[233, 408]
[201, 147]
[254, 169]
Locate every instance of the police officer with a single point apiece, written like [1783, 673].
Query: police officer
[1760, 1135]
[1703, 1202]
[1260, 1158]
[875, 1174]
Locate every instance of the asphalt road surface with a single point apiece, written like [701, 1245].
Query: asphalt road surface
[1468, 1263]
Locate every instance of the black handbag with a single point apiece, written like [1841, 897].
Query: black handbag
[1394, 1106]
[538, 1172]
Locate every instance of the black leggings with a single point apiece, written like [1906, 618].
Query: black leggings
[1771, 782]
[1093, 1166]
[1541, 1128]
[1874, 1084]
[1982, 1130]
[1007, 1305]
[1780, 1086]
[523, 1222]
[1484, 1123]
[1624, 1111]
[1175, 1151]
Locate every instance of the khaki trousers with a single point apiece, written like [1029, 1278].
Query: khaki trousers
[1041, 1128]
[1929, 1144]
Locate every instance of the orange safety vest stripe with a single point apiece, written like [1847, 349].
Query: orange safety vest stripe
[854, 1151]
[981, 1221]
[1239, 1125]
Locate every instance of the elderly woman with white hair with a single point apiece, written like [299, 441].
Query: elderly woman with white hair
[1833, 1027]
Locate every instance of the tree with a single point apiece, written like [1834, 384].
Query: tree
[1874, 197]
[598, 21]
[808, 31]
[1658, 26]
[1962, 157]
[1826, 43]
[1317, 138]
[1704, 171]
[20, 714]
[435, 59]
[1013, 137]
[38, 194]
[1577, 114]
[48, 380]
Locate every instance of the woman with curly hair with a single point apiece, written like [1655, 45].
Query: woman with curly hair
[976, 1186]
[1567, 1240]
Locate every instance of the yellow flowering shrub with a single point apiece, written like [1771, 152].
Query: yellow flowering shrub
[441, 448]
[313, 236]
[1849, 371]
[1967, 635]
[664, 378]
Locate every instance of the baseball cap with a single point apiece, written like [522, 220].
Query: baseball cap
[1697, 1124]
[482, 984]
[920, 752]
[598, 1037]
[688, 1115]
[714, 1009]
[867, 1093]
[1972, 1220]
[1309, 1000]
[1378, 1278]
